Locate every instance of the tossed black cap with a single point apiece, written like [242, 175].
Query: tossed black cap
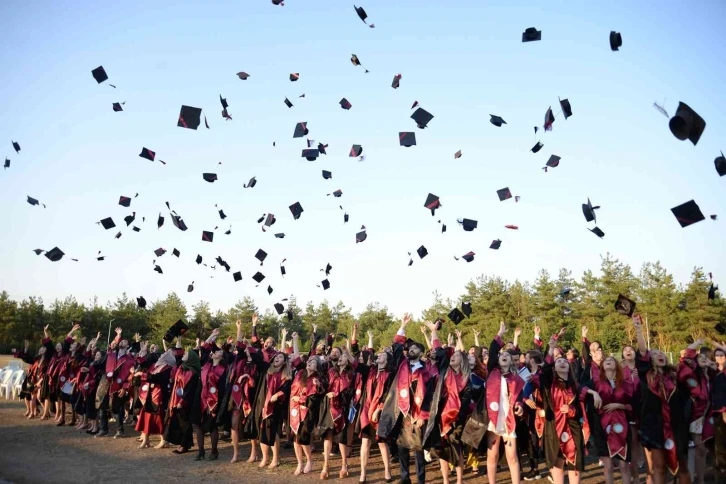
[688, 213]
[720, 164]
[354, 60]
[432, 203]
[176, 252]
[117, 107]
[407, 138]
[396, 83]
[147, 154]
[326, 284]
[566, 108]
[243, 75]
[625, 306]
[495, 244]
[261, 255]
[466, 308]
[537, 147]
[327, 175]
[310, 154]
[504, 194]
[177, 329]
[32, 200]
[616, 40]
[589, 211]
[294, 76]
[178, 222]
[497, 120]
[422, 117]
[159, 221]
[210, 177]
[468, 224]
[99, 74]
[597, 232]
[199, 259]
[531, 34]
[301, 130]
[469, 256]
[296, 210]
[687, 124]
[251, 183]
[355, 150]
[361, 13]
[237, 276]
[258, 277]
[159, 252]
[345, 104]
[207, 236]
[189, 117]
[141, 302]
[279, 308]
[554, 161]
[361, 236]
[422, 252]
[157, 268]
[456, 316]
[288, 103]
[107, 223]
[54, 254]
[124, 201]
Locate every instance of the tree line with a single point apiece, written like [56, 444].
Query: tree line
[676, 314]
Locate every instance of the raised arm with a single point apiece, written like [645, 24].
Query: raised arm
[425, 336]
[476, 337]
[459, 342]
[638, 324]
[370, 340]
[537, 339]
[517, 334]
[295, 347]
[254, 338]
[495, 347]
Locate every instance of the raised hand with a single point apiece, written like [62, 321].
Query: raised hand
[450, 340]
[238, 323]
[370, 334]
[502, 329]
[137, 337]
[315, 328]
[75, 327]
[118, 331]
[476, 333]
[406, 319]
[584, 331]
[284, 334]
[431, 326]
[457, 333]
[561, 332]
[254, 319]
[637, 322]
[517, 332]
[537, 330]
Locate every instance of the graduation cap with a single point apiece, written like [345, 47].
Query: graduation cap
[720, 164]
[99, 74]
[504, 194]
[135, 229]
[260, 256]
[327, 175]
[54, 254]
[279, 308]
[279, 236]
[141, 302]
[258, 277]
[422, 117]
[495, 244]
[159, 221]
[283, 272]
[688, 213]
[432, 203]
[456, 316]
[237, 276]
[177, 329]
[396, 81]
[553, 162]
[250, 183]
[38, 251]
[178, 223]
[355, 150]
[207, 236]
[107, 223]
[466, 308]
[497, 120]
[147, 154]
[325, 284]
[537, 147]
[327, 269]
[345, 104]
[296, 210]
[337, 193]
[354, 60]
[176, 252]
[223, 101]
[589, 211]
[32, 201]
[124, 201]
[222, 263]
[616, 40]
[243, 75]
[321, 148]
[457, 155]
[549, 119]
[422, 252]
[468, 224]
[625, 306]
[118, 235]
[117, 107]
[222, 215]
[199, 259]
[129, 219]
[301, 130]
[597, 232]
[210, 177]
[687, 124]
[294, 76]
[190, 287]
[288, 103]
[407, 139]
[361, 13]
[310, 154]
[531, 34]
[7, 163]
[361, 236]
[159, 252]
[158, 269]
[566, 108]
[189, 117]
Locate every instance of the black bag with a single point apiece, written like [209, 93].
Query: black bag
[474, 430]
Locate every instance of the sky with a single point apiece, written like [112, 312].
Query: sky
[460, 60]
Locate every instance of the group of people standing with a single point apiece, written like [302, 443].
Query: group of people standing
[430, 401]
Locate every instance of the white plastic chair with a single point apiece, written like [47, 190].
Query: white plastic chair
[17, 383]
[5, 383]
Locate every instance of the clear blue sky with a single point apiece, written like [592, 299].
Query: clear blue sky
[461, 60]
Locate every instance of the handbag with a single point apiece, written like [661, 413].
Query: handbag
[474, 430]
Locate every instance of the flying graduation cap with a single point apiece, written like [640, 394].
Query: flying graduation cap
[243, 75]
[432, 203]
[456, 316]
[210, 177]
[189, 117]
[327, 175]
[468, 257]
[310, 154]
[504, 194]
[396, 81]
[207, 236]
[589, 211]
[422, 252]
[354, 60]
[345, 104]
[301, 130]
[495, 244]
[99, 74]
[147, 154]
[407, 138]
[537, 147]
[54, 254]
[251, 183]
[720, 164]
[117, 107]
[422, 117]
[553, 162]
[362, 14]
[625, 306]
[261, 255]
[107, 223]
[467, 224]
[457, 155]
[531, 34]
[124, 201]
[549, 119]
[288, 103]
[296, 210]
[616, 40]
[688, 214]
[355, 150]
[141, 302]
[7, 163]
[496, 120]
[178, 329]
[597, 232]
[361, 236]
[687, 124]
[566, 108]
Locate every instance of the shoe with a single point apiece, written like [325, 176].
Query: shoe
[101, 433]
[119, 434]
[179, 452]
[61, 423]
[390, 479]
[343, 473]
[404, 481]
[549, 478]
[213, 456]
[200, 456]
[532, 476]
[323, 475]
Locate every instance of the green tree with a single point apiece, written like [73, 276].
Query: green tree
[167, 312]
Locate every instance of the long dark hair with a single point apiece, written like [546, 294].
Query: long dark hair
[304, 371]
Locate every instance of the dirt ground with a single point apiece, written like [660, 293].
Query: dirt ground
[39, 452]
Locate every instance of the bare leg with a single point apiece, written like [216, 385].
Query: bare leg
[235, 436]
[365, 449]
[144, 441]
[574, 477]
[625, 472]
[444, 470]
[253, 450]
[46, 409]
[344, 458]
[700, 458]
[386, 456]
[275, 453]
[607, 464]
[299, 457]
[656, 464]
[492, 456]
[510, 449]
[557, 472]
[309, 458]
[327, 446]
[265, 454]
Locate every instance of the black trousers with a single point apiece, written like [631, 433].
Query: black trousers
[118, 407]
[404, 460]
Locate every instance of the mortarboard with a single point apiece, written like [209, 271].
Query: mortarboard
[54, 254]
[553, 162]
[223, 101]
[107, 223]
[327, 269]
[625, 306]
[443, 228]
[422, 117]
[210, 177]
[321, 148]
[296, 210]
[147, 154]
[345, 104]
[159, 221]
[158, 269]
[294, 76]
[222, 215]
[310, 154]
[279, 308]
[288, 103]
[531, 34]
[432, 203]
[495, 244]
[124, 201]
[457, 155]
[159, 252]
[504, 194]
[337, 193]
[407, 139]
[118, 235]
[178, 329]
[243, 75]
[589, 211]
[549, 119]
[565, 292]
[466, 308]
[178, 223]
[251, 183]
[616, 40]
[361, 13]
[224, 264]
[566, 108]
[258, 277]
[32, 200]
[597, 232]
[360, 236]
[396, 81]
[537, 147]
[422, 252]
[456, 316]
[99, 74]
[468, 224]
[355, 150]
[687, 214]
[260, 256]
[326, 285]
[687, 124]
[141, 302]
[207, 236]
[712, 292]
[129, 219]
[497, 120]
[720, 164]
[469, 256]
[199, 259]
[7, 162]
[16, 146]
[283, 272]
[354, 60]
[280, 236]
[237, 276]
[300, 130]
[189, 117]
[38, 251]
[176, 252]
[117, 107]
[135, 229]
[327, 175]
